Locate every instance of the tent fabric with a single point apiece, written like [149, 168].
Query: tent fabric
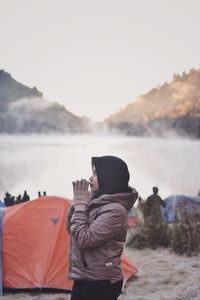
[2, 204]
[175, 204]
[35, 244]
[133, 219]
[1, 283]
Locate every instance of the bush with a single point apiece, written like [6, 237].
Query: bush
[182, 237]
[150, 235]
[186, 234]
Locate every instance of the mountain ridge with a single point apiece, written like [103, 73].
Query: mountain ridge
[173, 106]
[24, 110]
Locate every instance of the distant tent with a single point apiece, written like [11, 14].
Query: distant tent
[35, 245]
[176, 203]
[2, 203]
[133, 219]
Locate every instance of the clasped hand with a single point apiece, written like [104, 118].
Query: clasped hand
[81, 193]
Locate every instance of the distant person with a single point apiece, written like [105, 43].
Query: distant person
[44, 193]
[19, 199]
[25, 197]
[153, 204]
[7, 199]
[12, 200]
[39, 194]
[141, 208]
[140, 203]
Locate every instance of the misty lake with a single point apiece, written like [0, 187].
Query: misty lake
[50, 163]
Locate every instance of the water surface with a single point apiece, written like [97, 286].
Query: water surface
[50, 163]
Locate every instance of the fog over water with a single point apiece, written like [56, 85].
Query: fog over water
[50, 163]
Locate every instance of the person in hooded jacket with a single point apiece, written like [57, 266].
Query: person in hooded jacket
[97, 223]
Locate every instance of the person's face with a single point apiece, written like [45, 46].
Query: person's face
[94, 185]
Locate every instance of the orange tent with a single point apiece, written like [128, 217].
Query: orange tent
[35, 245]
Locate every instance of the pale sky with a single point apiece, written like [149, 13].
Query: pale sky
[95, 56]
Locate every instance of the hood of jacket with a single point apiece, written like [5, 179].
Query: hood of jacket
[127, 199]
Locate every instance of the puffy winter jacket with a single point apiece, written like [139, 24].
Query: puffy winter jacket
[98, 235]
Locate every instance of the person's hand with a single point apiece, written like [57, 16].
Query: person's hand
[81, 194]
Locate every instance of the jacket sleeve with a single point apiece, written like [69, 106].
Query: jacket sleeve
[101, 230]
[69, 216]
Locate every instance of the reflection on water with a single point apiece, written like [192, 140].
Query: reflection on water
[50, 163]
